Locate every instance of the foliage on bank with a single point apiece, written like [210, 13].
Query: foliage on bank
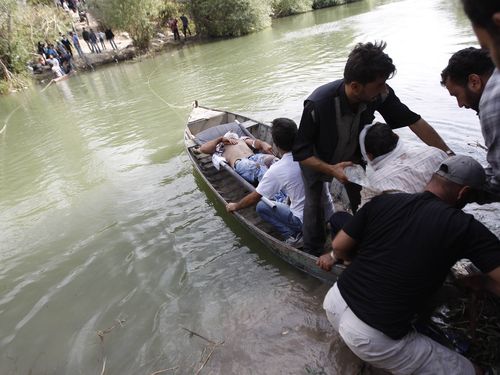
[137, 17]
[318, 4]
[21, 27]
[283, 8]
[229, 18]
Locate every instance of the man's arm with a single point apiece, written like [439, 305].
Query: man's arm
[334, 170]
[344, 248]
[209, 147]
[247, 201]
[260, 145]
[428, 135]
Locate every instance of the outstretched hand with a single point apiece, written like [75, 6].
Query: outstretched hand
[337, 171]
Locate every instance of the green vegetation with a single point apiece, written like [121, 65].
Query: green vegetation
[137, 17]
[282, 8]
[318, 4]
[229, 18]
[21, 27]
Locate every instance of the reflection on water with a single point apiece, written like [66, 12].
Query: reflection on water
[106, 228]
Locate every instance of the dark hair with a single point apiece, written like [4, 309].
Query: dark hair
[380, 139]
[465, 62]
[480, 12]
[283, 132]
[368, 62]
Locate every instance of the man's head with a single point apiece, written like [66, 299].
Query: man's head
[466, 75]
[485, 18]
[380, 140]
[455, 178]
[283, 132]
[366, 71]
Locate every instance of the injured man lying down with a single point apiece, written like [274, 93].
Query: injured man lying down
[238, 153]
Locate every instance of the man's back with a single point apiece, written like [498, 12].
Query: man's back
[285, 175]
[405, 170]
[407, 244]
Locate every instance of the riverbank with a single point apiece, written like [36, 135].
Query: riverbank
[126, 50]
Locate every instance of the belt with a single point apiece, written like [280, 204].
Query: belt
[236, 162]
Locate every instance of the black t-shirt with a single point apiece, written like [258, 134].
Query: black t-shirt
[407, 245]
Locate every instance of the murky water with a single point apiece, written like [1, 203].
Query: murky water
[106, 230]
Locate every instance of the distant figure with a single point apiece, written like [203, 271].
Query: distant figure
[41, 49]
[86, 37]
[83, 16]
[175, 29]
[101, 37]
[66, 43]
[55, 67]
[111, 38]
[185, 25]
[76, 43]
[93, 41]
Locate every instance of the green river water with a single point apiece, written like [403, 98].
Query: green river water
[104, 226]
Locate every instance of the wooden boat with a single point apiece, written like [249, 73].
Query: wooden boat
[230, 187]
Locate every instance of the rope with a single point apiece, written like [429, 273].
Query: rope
[163, 100]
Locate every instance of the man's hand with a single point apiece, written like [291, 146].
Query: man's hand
[231, 207]
[337, 171]
[326, 262]
[229, 141]
[266, 148]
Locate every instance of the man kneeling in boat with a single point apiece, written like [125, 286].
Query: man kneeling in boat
[237, 152]
[284, 176]
[402, 247]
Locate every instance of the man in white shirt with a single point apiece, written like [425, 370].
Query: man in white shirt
[392, 166]
[284, 175]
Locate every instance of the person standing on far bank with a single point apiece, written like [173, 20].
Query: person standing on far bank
[110, 38]
[86, 38]
[185, 25]
[333, 117]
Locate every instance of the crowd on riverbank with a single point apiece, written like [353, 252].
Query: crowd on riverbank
[90, 44]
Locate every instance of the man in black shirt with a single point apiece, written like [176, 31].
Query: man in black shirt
[333, 117]
[404, 247]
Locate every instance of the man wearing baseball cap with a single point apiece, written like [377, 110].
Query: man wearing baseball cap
[402, 247]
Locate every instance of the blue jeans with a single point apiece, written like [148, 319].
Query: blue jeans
[252, 168]
[280, 217]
